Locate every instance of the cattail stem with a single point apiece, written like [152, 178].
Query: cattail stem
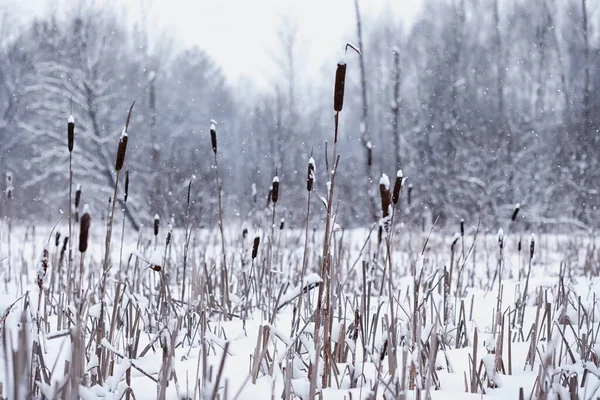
[70, 260]
[187, 240]
[225, 284]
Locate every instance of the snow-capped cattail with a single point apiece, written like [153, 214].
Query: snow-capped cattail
[338, 91]
[310, 178]
[156, 224]
[532, 246]
[501, 238]
[84, 227]
[254, 193]
[42, 267]
[9, 185]
[397, 187]
[213, 135]
[126, 186]
[121, 150]
[71, 132]
[275, 191]
[462, 227]
[384, 191]
[515, 212]
[409, 194]
[57, 239]
[281, 224]
[255, 246]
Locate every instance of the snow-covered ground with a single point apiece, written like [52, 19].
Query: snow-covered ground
[246, 342]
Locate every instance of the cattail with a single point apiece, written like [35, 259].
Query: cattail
[42, 267]
[123, 142]
[310, 178]
[454, 241]
[126, 186]
[9, 185]
[77, 196]
[519, 245]
[281, 224]
[169, 233]
[515, 212]
[384, 191]
[189, 191]
[84, 227]
[532, 246]
[71, 132]
[57, 239]
[397, 187]
[369, 152]
[275, 191]
[121, 150]
[254, 193]
[409, 195]
[338, 91]
[501, 238]
[255, 246]
[462, 227]
[156, 224]
[213, 135]
[244, 233]
[64, 246]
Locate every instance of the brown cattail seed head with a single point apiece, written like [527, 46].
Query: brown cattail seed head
[156, 224]
[64, 246]
[281, 224]
[338, 90]
[71, 133]
[515, 212]
[84, 227]
[169, 233]
[519, 245]
[462, 227]
[275, 191]
[213, 135]
[532, 246]
[255, 246]
[244, 233]
[310, 178]
[409, 196]
[126, 186]
[57, 239]
[501, 238]
[121, 150]
[384, 191]
[77, 196]
[397, 187]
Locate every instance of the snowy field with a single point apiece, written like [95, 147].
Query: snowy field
[176, 325]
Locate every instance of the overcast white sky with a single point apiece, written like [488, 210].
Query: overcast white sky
[241, 35]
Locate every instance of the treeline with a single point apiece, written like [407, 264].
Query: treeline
[483, 104]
